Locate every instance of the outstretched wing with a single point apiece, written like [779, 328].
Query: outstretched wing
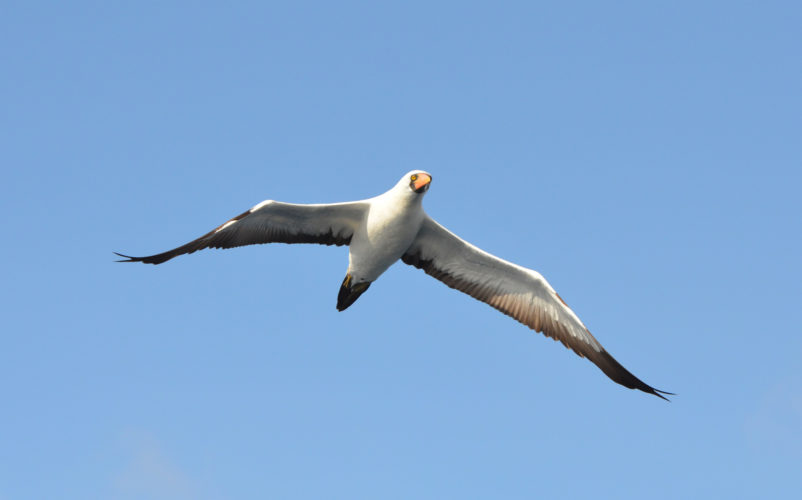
[275, 222]
[514, 290]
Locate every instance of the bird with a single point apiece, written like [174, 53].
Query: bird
[393, 226]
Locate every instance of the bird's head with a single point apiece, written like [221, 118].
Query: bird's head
[418, 181]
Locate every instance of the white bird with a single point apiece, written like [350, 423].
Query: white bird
[393, 226]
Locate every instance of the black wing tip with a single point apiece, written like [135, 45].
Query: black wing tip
[128, 258]
[620, 375]
[125, 258]
[638, 384]
[658, 393]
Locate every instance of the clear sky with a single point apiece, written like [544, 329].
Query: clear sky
[644, 156]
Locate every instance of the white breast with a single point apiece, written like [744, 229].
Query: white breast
[391, 225]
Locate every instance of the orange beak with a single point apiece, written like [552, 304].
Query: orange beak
[422, 181]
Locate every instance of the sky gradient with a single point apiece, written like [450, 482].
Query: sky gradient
[644, 158]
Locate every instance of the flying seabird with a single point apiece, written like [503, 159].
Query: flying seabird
[393, 226]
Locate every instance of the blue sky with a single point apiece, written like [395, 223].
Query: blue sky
[644, 157]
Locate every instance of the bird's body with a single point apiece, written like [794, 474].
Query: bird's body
[393, 226]
[392, 221]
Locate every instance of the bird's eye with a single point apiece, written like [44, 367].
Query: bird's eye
[414, 177]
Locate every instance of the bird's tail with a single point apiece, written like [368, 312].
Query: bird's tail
[349, 292]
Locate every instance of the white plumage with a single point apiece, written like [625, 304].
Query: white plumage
[393, 226]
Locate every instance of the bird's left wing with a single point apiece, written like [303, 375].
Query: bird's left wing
[514, 290]
[276, 222]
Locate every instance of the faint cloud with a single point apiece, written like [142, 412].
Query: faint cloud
[149, 472]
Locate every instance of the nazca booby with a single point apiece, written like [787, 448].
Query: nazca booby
[393, 226]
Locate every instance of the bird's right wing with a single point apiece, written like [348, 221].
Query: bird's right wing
[276, 222]
[514, 290]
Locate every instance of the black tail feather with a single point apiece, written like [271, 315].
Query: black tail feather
[349, 292]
